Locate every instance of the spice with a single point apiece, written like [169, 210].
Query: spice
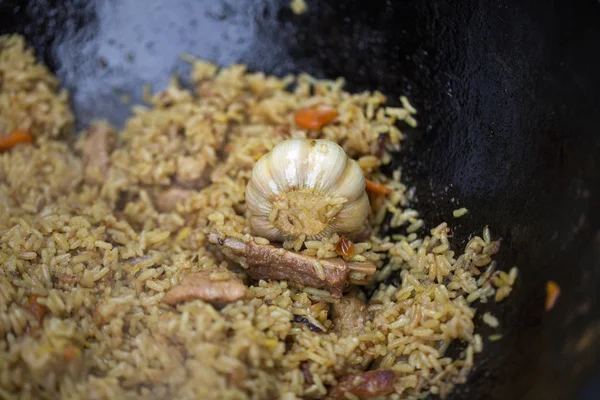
[315, 117]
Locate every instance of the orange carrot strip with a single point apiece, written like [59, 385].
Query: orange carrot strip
[552, 293]
[17, 136]
[374, 187]
[315, 117]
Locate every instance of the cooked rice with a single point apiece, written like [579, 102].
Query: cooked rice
[29, 94]
[84, 267]
[490, 320]
[459, 212]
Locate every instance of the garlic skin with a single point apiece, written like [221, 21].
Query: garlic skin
[307, 189]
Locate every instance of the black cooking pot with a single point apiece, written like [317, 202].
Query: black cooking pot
[508, 94]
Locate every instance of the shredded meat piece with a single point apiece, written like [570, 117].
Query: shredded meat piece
[349, 315]
[366, 384]
[201, 286]
[166, 200]
[99, 142]
[270, 262]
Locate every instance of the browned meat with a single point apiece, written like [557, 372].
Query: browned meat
[201, 286]
[166, 200]
[270, 262]
[349, 315]
[99, 142]
[366, 384]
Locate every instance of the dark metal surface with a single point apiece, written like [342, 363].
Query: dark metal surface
[509, 100]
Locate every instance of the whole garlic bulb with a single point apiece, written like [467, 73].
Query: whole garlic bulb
[307, 189]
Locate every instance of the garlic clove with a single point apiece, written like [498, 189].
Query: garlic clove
[328, 162]
[262, 178]
[289, 163]
[351, 184]
[265, 228]
[352, 217]
[255, 201]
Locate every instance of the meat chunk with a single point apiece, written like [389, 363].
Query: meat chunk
[366, 384]
[217, 286]
[166, 200]
[97, 145]
[349, 315]
[270, 262]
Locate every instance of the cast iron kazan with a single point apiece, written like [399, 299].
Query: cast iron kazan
[508, 94]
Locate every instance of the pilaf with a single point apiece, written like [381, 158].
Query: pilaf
[111, 287]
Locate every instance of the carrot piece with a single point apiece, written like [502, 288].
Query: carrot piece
[17, 136]
[552, 293]
[315, 117]
[344, 248]
[376, 188]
